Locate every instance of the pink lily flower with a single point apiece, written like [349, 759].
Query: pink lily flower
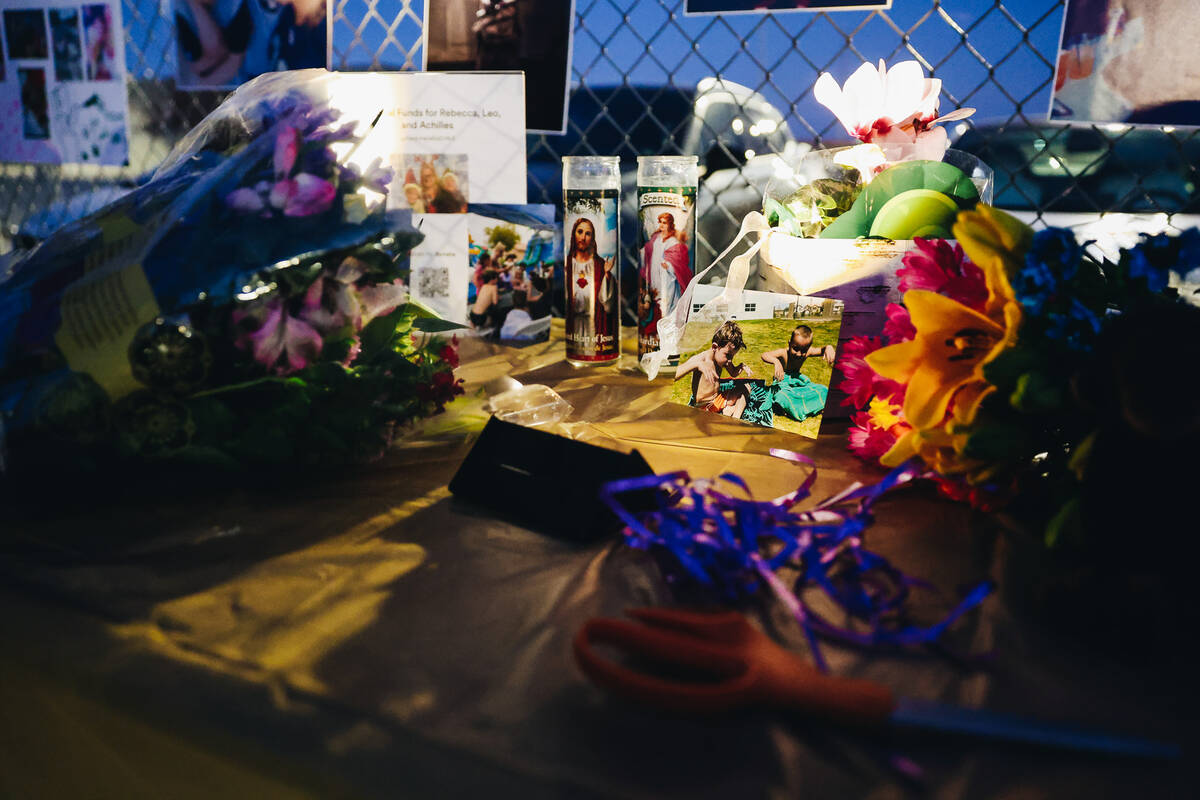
[302, 196]
[287, 147]
[281, 336]
[245, 200]
[381, 299]
[890, 106]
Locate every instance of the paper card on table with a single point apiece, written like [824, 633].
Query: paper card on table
[772, 354]
[62, 83]
[438, 268]
[450, 139]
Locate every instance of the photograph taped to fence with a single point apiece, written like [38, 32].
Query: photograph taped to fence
[62, 83]
[762, 6]
[532, 36]
[1130, 62]
[224, 43]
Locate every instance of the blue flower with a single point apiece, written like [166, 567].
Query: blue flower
[1076, 327]
[1051, 263]
[1152, 258]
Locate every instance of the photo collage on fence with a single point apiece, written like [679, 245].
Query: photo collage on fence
[62, 83]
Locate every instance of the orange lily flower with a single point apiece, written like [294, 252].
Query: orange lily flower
[953, 344]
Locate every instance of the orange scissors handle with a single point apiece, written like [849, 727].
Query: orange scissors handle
[739, 665]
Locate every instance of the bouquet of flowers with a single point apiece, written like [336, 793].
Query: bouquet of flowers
[246, 306]
[1021, 371]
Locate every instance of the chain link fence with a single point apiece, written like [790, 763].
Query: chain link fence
[636, 68]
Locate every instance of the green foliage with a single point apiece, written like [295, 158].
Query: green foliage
[504, 234]
[811, 208]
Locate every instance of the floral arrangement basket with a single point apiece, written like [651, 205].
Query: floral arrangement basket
[838, 220]
[246, 306]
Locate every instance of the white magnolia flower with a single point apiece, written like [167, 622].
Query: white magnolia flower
[889, 106]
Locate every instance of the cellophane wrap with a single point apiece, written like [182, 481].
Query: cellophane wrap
[246, 305]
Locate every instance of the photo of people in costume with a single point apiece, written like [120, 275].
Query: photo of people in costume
[773, 370]
[434, 184]
[592, 280]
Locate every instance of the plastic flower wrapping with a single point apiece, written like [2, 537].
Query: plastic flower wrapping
[1022, 371]
[246, 306]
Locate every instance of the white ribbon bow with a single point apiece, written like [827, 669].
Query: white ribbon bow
[670, 327]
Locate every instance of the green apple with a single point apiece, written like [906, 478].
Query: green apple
[917, 212]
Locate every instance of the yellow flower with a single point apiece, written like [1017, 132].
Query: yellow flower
[997, 242]
[953, 343]
[882, 413]
[941, 448]
[952, 346]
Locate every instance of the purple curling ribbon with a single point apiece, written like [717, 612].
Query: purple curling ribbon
[735, 546]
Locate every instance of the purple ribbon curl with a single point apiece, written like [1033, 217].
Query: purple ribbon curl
[733, 546]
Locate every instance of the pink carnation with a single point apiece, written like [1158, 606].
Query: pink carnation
[865, 440]
[899, 326]
[938, 266]
[861, 383]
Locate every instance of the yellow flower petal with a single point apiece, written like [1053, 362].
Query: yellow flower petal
[904, 449]
[897, 361]
[882, 413]
[967, 400]
[997, 242]
[930, 311]
[952, 340]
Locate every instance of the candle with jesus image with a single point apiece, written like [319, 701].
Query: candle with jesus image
[591, 197]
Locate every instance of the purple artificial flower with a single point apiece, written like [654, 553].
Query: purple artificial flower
[281, 336]
[303, 196]
[327, 133]
[381, 299]
[246, 200]
[287, 147]
[377, 176]
[317, 161]
[314, 311]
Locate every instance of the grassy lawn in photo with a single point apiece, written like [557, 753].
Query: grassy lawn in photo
[760, 336]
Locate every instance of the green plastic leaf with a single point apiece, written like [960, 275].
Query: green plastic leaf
[435, 325]
[937, 176]
[1066, 525]
[999, 442]
[377, 335]
[1037, 393]
[813, 207]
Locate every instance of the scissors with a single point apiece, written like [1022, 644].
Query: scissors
[747, 669]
